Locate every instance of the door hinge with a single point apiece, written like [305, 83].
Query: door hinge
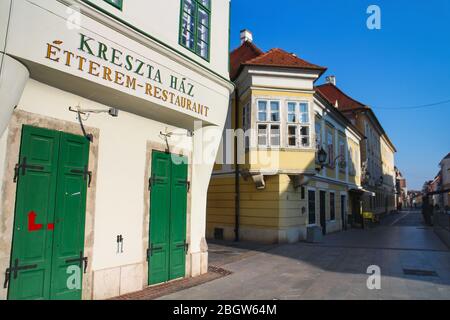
[152, 249]
[80, 261]
[15, 271]
[154, 179]
[23, 166]
[187, 183]
[185, 245]
[86, 174]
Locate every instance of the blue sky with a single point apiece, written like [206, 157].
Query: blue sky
[406, 63]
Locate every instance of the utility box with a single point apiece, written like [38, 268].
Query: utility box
[314, 234]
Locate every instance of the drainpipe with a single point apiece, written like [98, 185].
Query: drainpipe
[237, 195]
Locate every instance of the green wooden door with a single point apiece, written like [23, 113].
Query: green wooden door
[167, 250]
[49, 216]
[68, 244]
[35, 208]
[178, 203]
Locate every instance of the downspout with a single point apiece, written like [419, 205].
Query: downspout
[237, 209]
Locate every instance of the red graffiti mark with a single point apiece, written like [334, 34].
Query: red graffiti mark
[51, 226]
[32, 226]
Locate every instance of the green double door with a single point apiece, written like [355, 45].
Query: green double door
[49, 222]
[168, 201]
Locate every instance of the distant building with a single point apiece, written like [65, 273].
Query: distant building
[445, 180]
[401, 189]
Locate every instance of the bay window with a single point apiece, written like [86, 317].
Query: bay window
[292, 136]
[298, 125]
[274, 111]
[262, 135]
[268, 126]
[274, 135]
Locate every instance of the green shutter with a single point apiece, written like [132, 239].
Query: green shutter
[159, 218]
[168, 201]
[57, 197]
[70, 214]
[178, 217]
[36, 191]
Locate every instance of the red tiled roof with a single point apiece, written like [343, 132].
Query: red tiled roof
[249, 54]
[332, 94]
[245, 52]
[347, 104]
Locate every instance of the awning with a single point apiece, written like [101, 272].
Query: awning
[362, 191]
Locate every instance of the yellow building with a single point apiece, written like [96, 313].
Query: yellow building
[270, 187]
[377, 150]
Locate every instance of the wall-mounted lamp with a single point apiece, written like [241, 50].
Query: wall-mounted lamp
[380, 181]
[87, 112]
[321, 158]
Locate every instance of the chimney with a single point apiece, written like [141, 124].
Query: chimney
[331, 79]
[246, 35]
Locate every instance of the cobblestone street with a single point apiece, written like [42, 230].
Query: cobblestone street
[335, 268]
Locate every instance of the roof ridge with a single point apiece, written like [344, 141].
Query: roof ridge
[264, 54]
[251, 45]
[346, 95]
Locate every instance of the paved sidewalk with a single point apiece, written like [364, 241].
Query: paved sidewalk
[336, 268]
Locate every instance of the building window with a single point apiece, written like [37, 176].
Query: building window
[262, 135]
[298, 126]
[274, 135]
[311, 206]
[304, 112]
[274, 111]
[304, 136]
[116, 3]
[292, 136]
[195, 26]
[342, 163]
[330, 147]
[292, 114]
[246, 124]
[351, 160]
[332, 207]
[268, 131]
[302, 193]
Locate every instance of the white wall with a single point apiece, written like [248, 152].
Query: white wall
[121, 170]
[161, 19]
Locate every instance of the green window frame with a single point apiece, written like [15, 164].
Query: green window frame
[195, 27]
[115, 3]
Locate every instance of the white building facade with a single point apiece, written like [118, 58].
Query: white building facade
[97, 100]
